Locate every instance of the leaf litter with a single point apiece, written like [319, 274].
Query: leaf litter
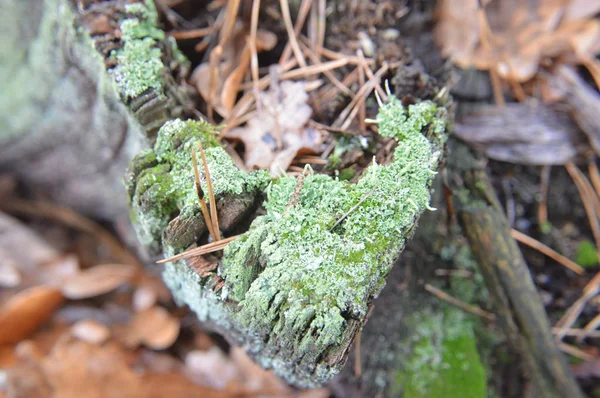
[107, 330]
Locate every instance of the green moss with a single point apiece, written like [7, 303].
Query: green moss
[139, 66]
[444, 362]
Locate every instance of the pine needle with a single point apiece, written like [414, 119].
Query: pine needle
[199, 251]
[211, 196]
[457, 303]
[542, 248]
[293, 41]
[200, 193]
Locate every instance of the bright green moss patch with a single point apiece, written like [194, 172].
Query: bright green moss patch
[139, 66]
[444, 362]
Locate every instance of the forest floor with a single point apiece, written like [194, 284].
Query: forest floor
[81, 315]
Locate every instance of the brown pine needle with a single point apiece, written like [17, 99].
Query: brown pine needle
[200, 193]
[456, 302]
[253, 51]
[302, 14]
[293, 40]
[586, 198]
[211, 196]
[362, 108]
[542, 248]
[349, 113]
[334, 80]
[308, 71]
[231, 12]
[311, 160]
[199, 251]
[576, 352]
[322, 17]
[570, 317]
[580, 333]
[370, 74]
[543, 205]
[191, 34]
[595, 177]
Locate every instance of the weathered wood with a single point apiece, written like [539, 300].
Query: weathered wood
[522, 133]
[63, 129]
[67, 128]
[518, 305]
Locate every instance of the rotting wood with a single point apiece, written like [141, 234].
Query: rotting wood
[518, 305]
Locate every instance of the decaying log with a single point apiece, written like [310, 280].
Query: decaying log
[296, 287]
[518, 305]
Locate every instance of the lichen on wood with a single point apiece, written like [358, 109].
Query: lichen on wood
[297, 286]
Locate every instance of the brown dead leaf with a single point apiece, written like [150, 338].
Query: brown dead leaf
[523, 36]
[255, 377]
[91, 331]
[221, 89]
[159, 385]
[75, 368]
[97, 280]
[279, 132]
[155, 328]
[22, 251]
[26, 311]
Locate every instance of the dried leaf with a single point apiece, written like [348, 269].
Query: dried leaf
[155, 328]
[75, 369]
[26, 311]
[97, 280]
[159, 385]
[91, 331]
[256, 377]
[279, 132]
[523, 35]
[521, 133]
[9, 274]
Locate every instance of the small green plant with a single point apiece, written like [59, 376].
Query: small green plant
[586, 254]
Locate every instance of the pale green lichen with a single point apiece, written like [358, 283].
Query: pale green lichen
[313, 275]
[299, 282]
[163, 183]
[139, 65]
